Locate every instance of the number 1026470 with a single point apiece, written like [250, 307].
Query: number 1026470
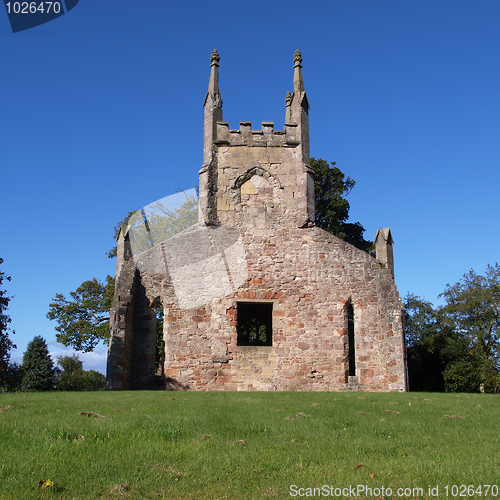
[464, 490]
[33, 7]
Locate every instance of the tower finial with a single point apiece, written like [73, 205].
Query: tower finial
[215, 58]
[297, 57]
[298, 82]
[213, 84]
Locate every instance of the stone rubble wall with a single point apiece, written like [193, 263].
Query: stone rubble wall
[281, 198]
[311, 277]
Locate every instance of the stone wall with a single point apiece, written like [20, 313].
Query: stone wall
[310, 277]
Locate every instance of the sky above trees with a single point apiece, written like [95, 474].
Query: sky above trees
[102, 114]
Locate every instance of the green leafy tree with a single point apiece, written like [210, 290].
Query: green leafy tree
[70, 376]
[93, 380]
[38, 367]
[331, 186]
[83, 320]
[455, 348]
[424, 345]
[420, 320]
[473, 308]
[13, 378]
[73, 377]
[464, 374]
[5, 343]
[438, 358]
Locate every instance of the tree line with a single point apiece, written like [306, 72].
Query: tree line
[455, 347]
[452, 348]
[38, 372]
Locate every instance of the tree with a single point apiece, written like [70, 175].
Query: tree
[473, 308]
[93, 380]
[70, 376]
[38, 368]
[5, 343]
[439, 357]
[436, 353]
[332, 209]
[424, 345]
[83, 321]
[420, 319]
[13, 378]
[455, 347]
[73, 377]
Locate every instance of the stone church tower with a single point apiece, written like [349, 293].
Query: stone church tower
[279, 304]
[270, 167]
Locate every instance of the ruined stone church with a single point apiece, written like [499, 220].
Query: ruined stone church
[255, 297]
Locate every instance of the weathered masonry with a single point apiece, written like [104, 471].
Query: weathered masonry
[311, 312]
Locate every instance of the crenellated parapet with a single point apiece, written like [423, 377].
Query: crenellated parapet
[266, 136]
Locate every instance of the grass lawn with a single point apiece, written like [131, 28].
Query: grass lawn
[199, 445]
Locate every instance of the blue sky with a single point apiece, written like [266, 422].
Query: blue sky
[101, 113]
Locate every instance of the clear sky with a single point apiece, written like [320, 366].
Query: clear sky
[101, 113]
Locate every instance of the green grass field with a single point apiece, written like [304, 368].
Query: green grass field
[198, 445]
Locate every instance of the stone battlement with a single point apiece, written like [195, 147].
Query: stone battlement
[267, 136]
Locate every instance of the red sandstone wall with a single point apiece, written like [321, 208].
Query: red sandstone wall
[310, 276]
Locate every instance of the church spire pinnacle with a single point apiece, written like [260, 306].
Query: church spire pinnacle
[212, 115]
[298, 106]
[213, 106]
[213, 98]
[214, 73]
[298, 81]
[297, 114]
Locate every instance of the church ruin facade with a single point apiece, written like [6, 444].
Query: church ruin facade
[294, 308]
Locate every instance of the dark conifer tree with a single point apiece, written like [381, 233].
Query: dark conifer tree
[38, 367]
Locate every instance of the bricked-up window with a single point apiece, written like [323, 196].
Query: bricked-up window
[255, 323]
[350, 340]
